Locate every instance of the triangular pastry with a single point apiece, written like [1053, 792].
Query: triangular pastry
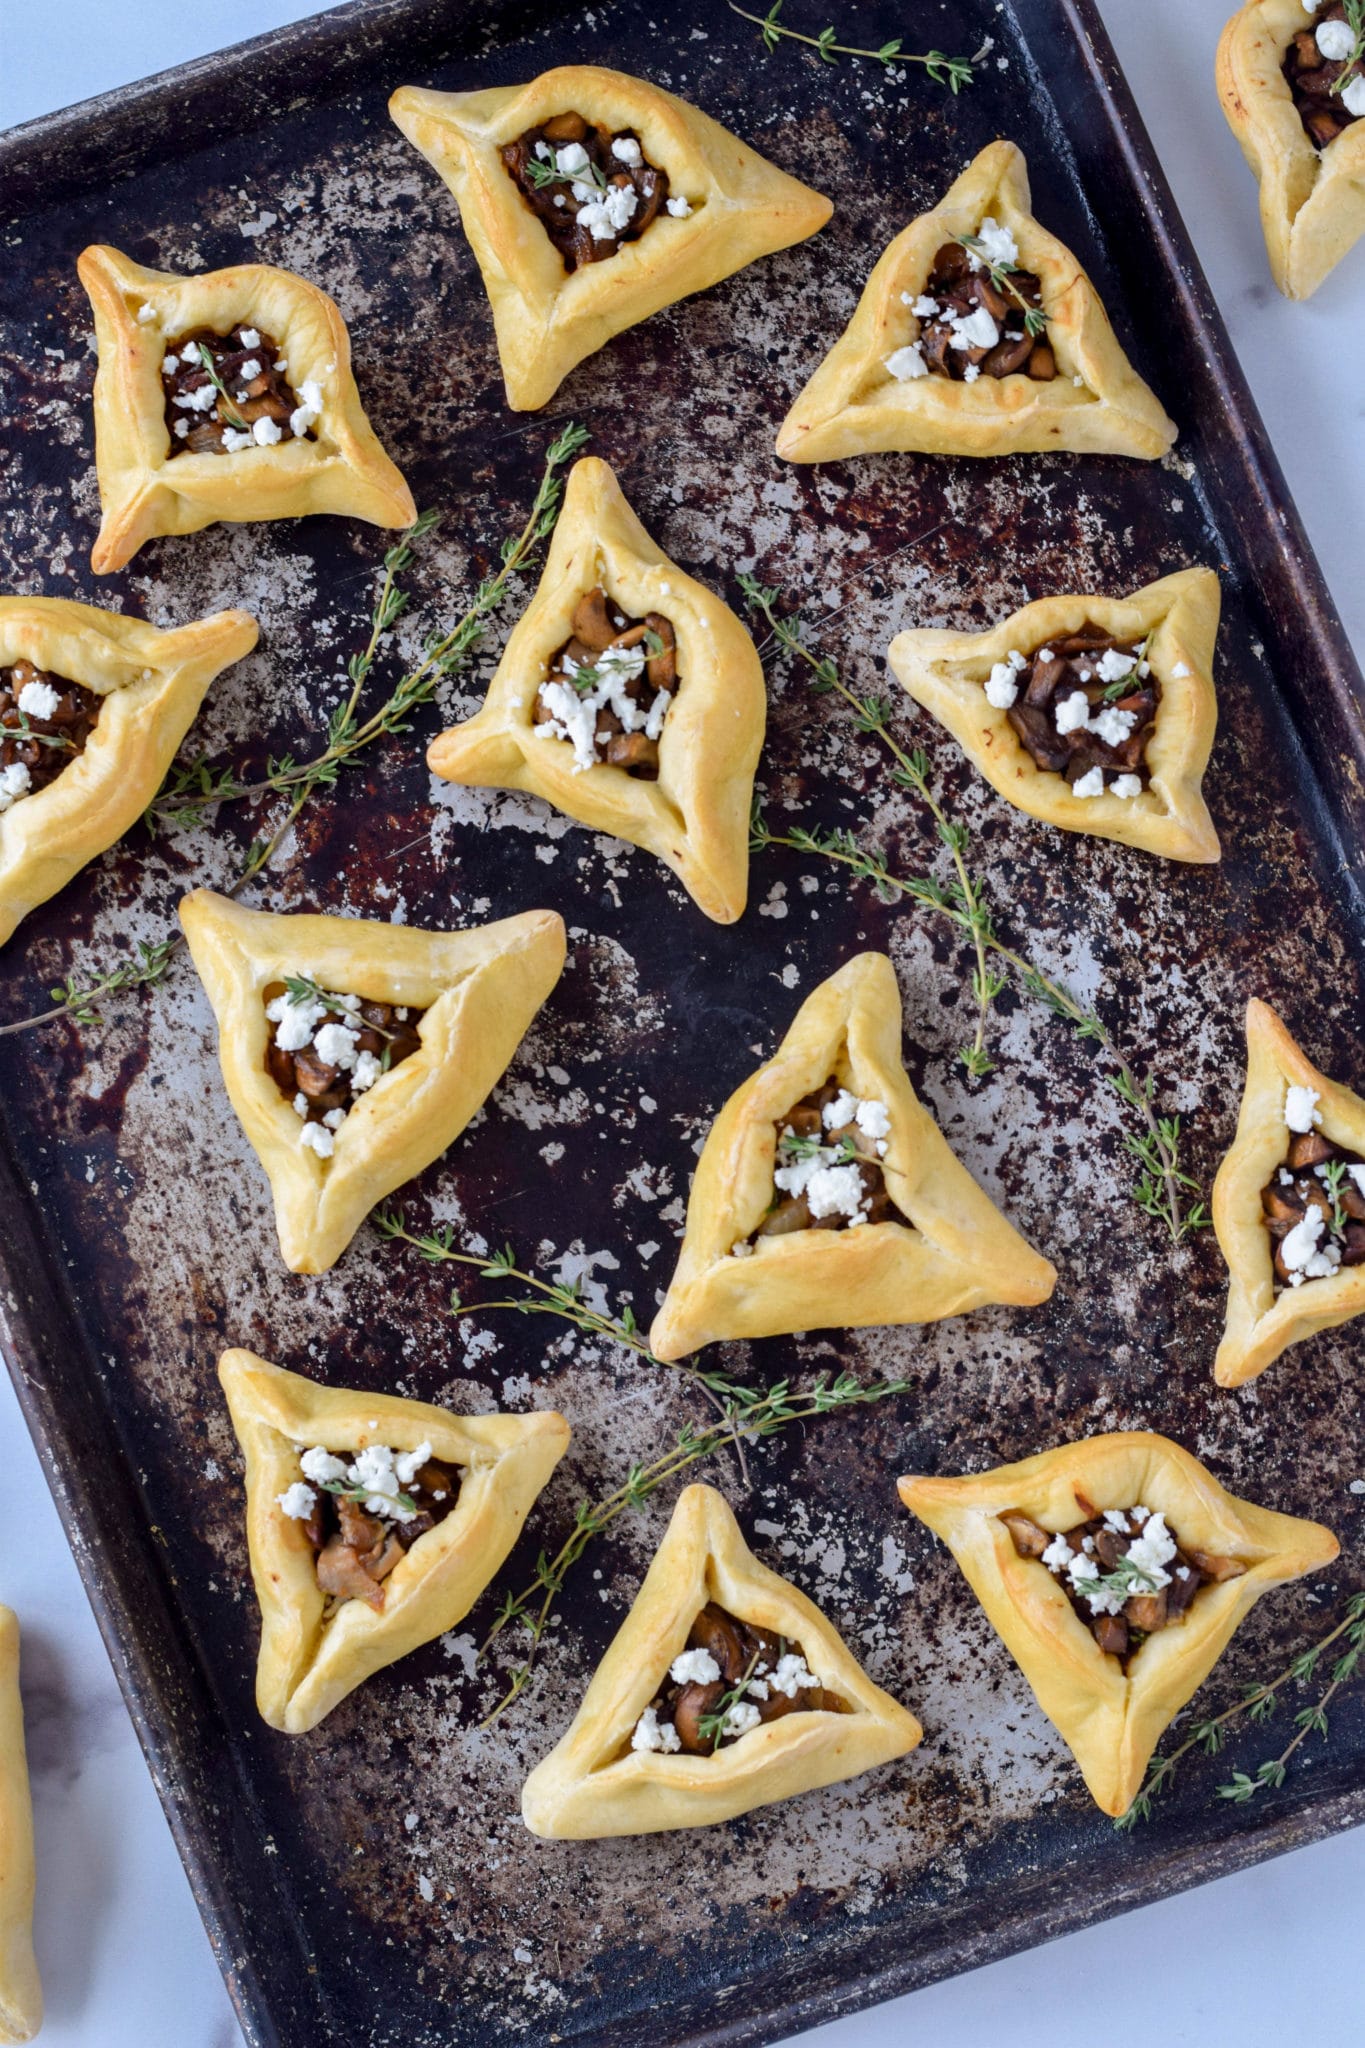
[978, 333]
[21, 1994]
[1096, 714]
[355, 1052]
[271, 428]
[1165, 1586]
[591, 199]
[1297, 113]
[1288, 1205]
[336, 1483]
[827, 1197]
[92, 709]
[629, 697]
[724, 1689]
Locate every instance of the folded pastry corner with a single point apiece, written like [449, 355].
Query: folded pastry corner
[1095, 714]
[1288, 1205]
[1291, 79]
[1116, 1571]
[592, 199]
[225, 396]
[826, 1194]
[92, 709]
[373, 1524]
[21, 1993]
[724, 1689]
[355, 1052]
[978, 333]
[629, 697]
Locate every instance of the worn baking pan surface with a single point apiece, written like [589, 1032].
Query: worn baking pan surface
[372, 1883]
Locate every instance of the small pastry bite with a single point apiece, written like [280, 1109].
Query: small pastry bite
[21, 1994]
[1096, 714]
[592, 199]
[826, 1195]
[373, 1523]
[1116, 1571]
[627, 696]
[978, 333]
[354, 1052]
[1291, 77]
[92, 709]
[724, 1689]
[1288, 1205]
[226, 396]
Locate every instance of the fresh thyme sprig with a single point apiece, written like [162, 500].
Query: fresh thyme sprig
[1163, 1187]
[1126, 1579]
[346, 1489]
[1355, 19]
[210, 368]
[24, 731]
[1002, 277]
[711, 1727]
[954, 72]
[1258, 1703]
[752, 1413]
[192, 788]
[542, 172]
[1333, 1180]
[301, 988]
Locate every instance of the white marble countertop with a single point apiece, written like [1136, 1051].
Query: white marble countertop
[124, 1958]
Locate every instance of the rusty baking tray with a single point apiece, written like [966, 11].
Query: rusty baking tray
[372, 1884]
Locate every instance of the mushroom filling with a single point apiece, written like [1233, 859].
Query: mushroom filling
[592, 188]
[1324, 68]
[732, 1677]
[980, 315]
[363, 1515]
[45, 722]
[609, 688]
[1315, 1204]
[828, 1174]
[226, 392]
[1126, 1574]
[325, 1050]
[1085, 708]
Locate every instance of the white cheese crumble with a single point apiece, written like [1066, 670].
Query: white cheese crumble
[1002, 684]
[1300, 1109]
[308, 410]
[791, 1676]
[997, 246]
[974, 330]
[626, 149]
[652, 1734]
[924, 307]
[320, 1465]
[907, 363]
[38, 700]
[1112, 725]
[234, 441]
[1180, 671]
[971, 373]
[1113, 666]
[740, 1719]
[573, 713]
[297, 1501]
[1072, 713]
[294, 1022]
[1335, 40]
[1089, 784]
[169, 365]
[266, 432]
[1305, 1256]
[694, 1667]
[365, 1072]
[182, 430]
[15, 781]
[336, 1044]
[317, 1138]
[250, 368]
[607, 213]
[1126, 786]
[741, 1249]
[573, 157]
[146, 315]
[249, 338]
[678, 207]
[1353, 97]
[836, 1191]
[202, 400]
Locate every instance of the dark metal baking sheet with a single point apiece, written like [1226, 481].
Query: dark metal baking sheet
[372, 1883]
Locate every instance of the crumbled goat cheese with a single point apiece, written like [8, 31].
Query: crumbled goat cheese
[679, 207]
[281, 362]
[1073, 712]
[573, 716]
[973, 330]
[1305, 1258]
[740, 1719]
[250, 368]
[841, 1111]
[694, 1667]
[1057, 1556]
[1117, 1520]
[971, 373]
[836, 1191]
[924, 307]
[1300, 1109]
[1150, 1552]
[741, 1249]
[182, 430]
[1353, 98]
[1089, 784]
[308, 409]
[15, 781]
[146, 315]
[573, 157]
[376, 1470]
[334, 1119]
[317, 1138]
[320, 1466]
[1126, 786]
[38, 700]
[997, 246]
[791, 1676]
[607, 213]
[907, 363]
[169, 365]
[1336, 41]
[266, 432]
[294, 1022]
[235, 442]
[873, 1119]
[1002, 684]
[1181, 670]
[297, 1501]
[626, 149]
[409, 1463]
[301, 1104]
[202, 400]
[365, 1072]
[1112, 725]
[1112, 666]
[249, 338]
[653, 1734]
[336, 1044]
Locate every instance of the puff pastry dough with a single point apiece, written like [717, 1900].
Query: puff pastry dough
[1095, 405]
[1261, 1324]
[307, 1663]
[946, 673]
[695, 817]
[959, 1254]
[145, 491]
[479, 989]
[1312, 201]
[546, 319]
[153, 683]
[593, 1783]
[21, 1995]
[1111, 1722]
